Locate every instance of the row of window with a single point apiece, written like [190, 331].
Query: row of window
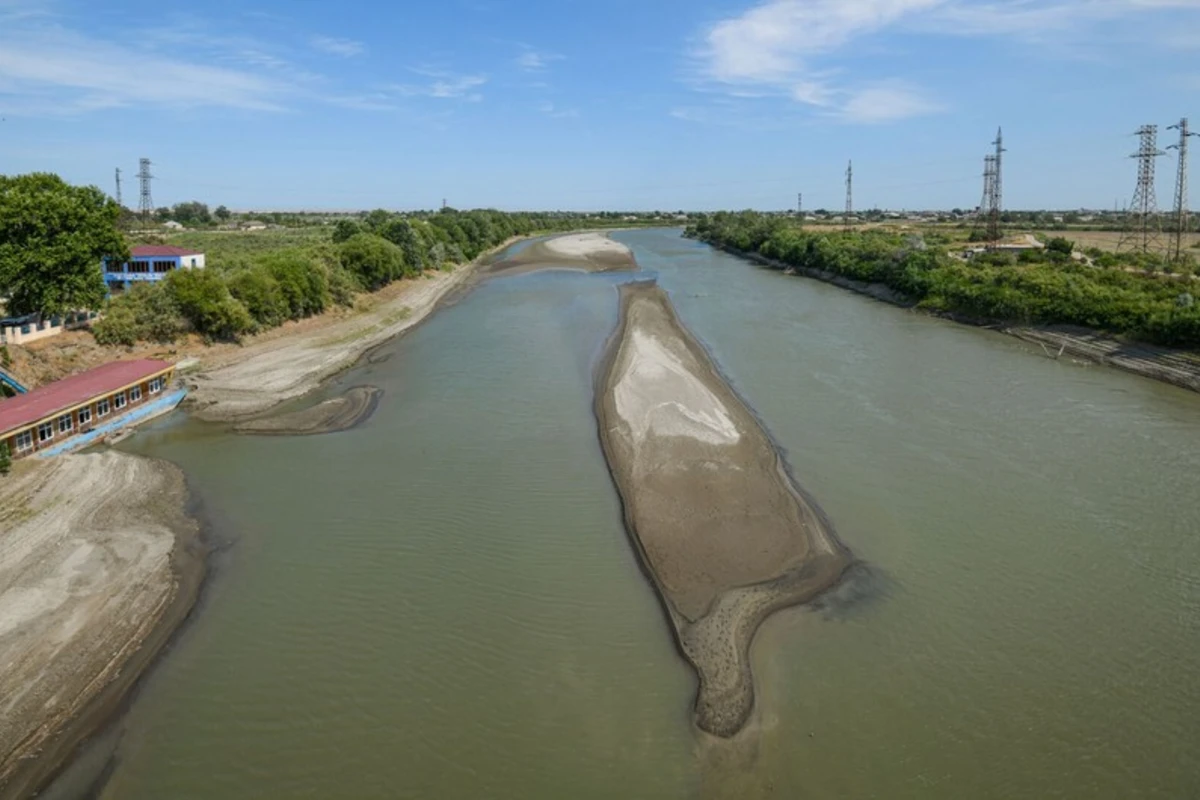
[65, 424]
[145, 266]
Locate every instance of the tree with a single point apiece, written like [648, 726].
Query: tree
[344, 229]
[5, 459]
[374, 260]
[222, 213]
[205, 301]
[193, 213]
[52, 239]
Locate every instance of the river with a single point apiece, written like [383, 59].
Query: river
[443, 603]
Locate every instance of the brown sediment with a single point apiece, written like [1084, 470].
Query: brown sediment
[99, 563]
[352, 408]
[724, 532]
[587, 252]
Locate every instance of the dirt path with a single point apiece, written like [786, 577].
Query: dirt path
[97, 566]
[721, 527]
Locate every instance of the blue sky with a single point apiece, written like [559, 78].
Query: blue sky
[695, 104]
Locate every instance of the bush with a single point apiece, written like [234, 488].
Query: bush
[257, 290]
[205, 302]
[374, 260]
[145, 311]
[302, 281]
[5, 459]
[342, 286]
[344, 229]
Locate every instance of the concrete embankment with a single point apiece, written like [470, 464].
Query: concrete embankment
[352, 408]
[588, 252]
[719, 524]
[98, 565]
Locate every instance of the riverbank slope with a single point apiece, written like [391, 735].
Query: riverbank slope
[725, 534]
[98, 565]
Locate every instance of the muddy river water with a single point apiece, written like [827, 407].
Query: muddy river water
[442, 601]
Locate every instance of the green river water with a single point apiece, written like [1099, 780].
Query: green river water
[442, 603]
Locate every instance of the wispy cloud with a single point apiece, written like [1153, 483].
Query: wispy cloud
[443, 84]
[790, 48]
[346, 48]
[551, 110]
[535, 61]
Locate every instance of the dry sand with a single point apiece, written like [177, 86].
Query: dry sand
[352, 408]
[724, 532]
[588, 252]
[98, 563]
[284, 369]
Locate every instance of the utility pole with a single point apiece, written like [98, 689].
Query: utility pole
[800, 207]
[119, 188]
[145, 203]
[1142, 228]
[996, 195]
[1181, 188]
[849, 196]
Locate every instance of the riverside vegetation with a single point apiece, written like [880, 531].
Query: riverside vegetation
[246, 289]
[1043, 287]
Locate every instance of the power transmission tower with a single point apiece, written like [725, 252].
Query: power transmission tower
[1142, 226]
[1181, 188]
[985, 203]
[119, 188]
[800, 207]
[145, 204]
[849, 195]
[996, 194]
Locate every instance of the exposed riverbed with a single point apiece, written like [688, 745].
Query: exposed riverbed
[442, 601]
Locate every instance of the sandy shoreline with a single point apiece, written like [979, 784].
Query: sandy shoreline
[591, 251]
[98, 565]
[722, 529]
[351, 408]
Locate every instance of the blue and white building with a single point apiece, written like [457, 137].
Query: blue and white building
[149, 263]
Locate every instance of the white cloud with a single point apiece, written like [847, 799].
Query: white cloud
[886, 102]
[785, 47]
[74, 73]
[444, 85]
[551, 110]
[534, 61]
[346, 48]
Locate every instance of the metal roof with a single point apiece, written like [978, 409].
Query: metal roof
[47, 401]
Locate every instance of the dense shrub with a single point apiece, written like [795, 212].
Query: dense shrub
[146, 311]
[205, 302]
[372, 259]
[302, 280]
[257, 290]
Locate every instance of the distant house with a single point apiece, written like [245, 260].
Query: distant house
[172, 225]
[254, 226]
[30, 328]
[149, 263]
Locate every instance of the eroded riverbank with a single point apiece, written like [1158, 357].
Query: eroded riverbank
[98, 565]
[587, 252]
[724, 532]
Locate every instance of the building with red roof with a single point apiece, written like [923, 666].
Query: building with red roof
[149, 262]
[44, 417]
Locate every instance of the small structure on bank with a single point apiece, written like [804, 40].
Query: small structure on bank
[80, 409]
[149, 263]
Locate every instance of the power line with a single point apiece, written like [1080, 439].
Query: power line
[1181, 187]
[1143, 227]
[996, 194]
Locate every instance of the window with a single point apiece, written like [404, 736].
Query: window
[164, 266]
[45, 432]
[65, 423]
[135, 394]
[139, 266]
[119, 400]
[24, 441]
[85, 416]
[156, 385]
[193, 262]
[102, 407]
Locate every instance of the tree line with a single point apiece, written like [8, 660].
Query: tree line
[1045, 287]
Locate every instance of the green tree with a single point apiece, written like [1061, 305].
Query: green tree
[52, 239]
[344, 229]
[222, 213]
[205, 302]
[193, 213]
[374, 260]
[5, 459]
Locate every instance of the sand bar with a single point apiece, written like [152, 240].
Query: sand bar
[98, 564]
[720, 526]
[587, 252]
[352, 408]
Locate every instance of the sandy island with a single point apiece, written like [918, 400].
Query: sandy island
[588, 252]
[98, 564]
[722, 529]
[342, 413]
